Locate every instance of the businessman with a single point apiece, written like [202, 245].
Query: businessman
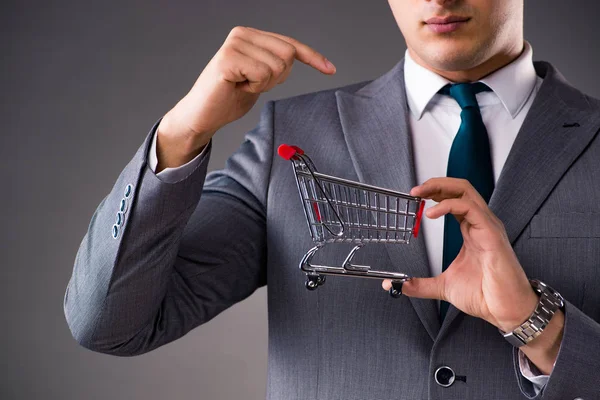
[505, 299]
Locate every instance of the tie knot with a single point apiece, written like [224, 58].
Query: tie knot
[464, 93]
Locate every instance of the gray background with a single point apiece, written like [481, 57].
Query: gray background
[81, 86]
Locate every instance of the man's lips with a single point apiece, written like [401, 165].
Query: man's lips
[446, 24]
[446, 20]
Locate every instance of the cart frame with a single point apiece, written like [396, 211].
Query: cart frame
[339, 210]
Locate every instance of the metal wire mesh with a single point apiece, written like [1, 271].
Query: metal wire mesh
[343, 211]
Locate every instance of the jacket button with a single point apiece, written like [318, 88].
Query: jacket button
[115, 231]
[123, 205]
[119, 218]
[128, 190]
[444, 376]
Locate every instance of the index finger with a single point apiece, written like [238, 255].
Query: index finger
[304, 53]
[442, 188]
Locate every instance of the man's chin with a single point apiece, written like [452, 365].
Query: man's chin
[445, 57]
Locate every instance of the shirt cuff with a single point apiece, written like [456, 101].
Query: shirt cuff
[532, 374]
[172, 175]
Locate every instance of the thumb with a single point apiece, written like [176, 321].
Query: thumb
[424, 288]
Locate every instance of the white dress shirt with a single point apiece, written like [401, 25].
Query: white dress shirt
[434, 121]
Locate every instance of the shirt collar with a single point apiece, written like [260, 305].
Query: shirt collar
[512, 83]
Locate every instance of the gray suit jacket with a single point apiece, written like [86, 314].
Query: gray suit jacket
[188, 250]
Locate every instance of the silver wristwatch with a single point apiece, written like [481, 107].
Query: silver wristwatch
[550, 301]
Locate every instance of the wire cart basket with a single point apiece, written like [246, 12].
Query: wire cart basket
[338, 210]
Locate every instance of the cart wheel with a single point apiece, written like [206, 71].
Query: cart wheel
[321, 280]
[396, 289]
[311, 284]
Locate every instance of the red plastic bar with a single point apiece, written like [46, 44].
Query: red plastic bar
[418, 218]
[317, 213]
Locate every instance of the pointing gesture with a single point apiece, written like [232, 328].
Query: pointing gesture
[249, 63]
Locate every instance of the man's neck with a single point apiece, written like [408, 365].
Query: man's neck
[476, 73]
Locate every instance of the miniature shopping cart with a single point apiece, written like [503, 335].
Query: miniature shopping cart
[343, 211]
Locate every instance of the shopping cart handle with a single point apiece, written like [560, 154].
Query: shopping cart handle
[288, 152]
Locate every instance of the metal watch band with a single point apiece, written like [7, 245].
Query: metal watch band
[550, 301]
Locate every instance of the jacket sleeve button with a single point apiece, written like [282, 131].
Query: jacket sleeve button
[123, 205]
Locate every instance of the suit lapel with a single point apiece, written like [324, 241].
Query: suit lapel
[376, 130]
[543, 150]
[541, 154]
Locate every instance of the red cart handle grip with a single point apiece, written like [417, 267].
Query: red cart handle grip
[288, 152]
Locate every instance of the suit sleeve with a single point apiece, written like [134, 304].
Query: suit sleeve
[575, 374]
[183, 252]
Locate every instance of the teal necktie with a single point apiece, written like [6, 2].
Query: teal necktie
[469, 159]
